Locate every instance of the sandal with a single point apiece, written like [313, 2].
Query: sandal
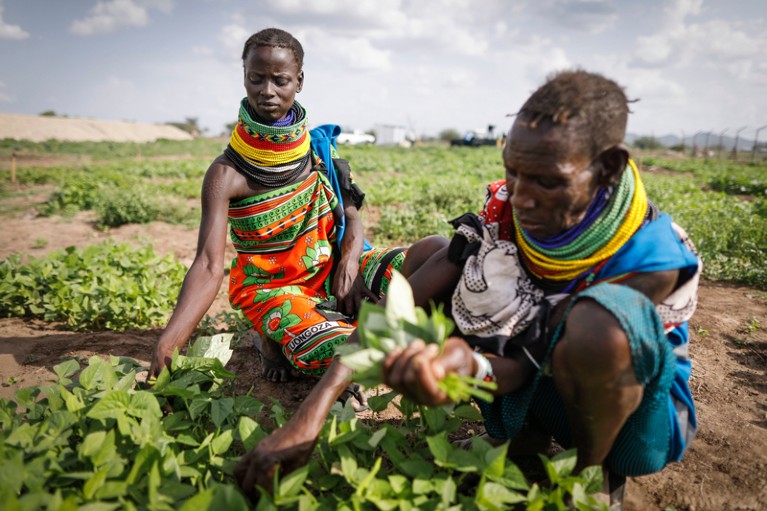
[353, 392]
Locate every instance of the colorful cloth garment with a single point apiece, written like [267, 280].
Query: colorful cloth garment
[282, 275]
[499, 298]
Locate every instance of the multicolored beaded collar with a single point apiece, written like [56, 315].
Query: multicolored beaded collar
[270, 154]
[611, 220]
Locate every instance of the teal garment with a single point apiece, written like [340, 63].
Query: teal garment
[644, 444]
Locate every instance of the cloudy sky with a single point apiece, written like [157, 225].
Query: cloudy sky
[425, 64]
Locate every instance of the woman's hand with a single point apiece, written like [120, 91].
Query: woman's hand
[290, 447]
[285, 449]
[349, 288]
[161, 357]
[417, 370]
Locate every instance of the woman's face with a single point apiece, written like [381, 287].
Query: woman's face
[272, 79]
[550, 182]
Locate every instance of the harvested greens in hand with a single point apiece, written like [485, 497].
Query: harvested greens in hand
[382, 330]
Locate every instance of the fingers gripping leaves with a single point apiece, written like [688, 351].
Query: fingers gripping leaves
[384, 330]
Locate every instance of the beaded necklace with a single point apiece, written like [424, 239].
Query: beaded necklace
[611, 220]
[270, 154]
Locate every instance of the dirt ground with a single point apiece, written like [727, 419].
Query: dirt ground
[724, 469]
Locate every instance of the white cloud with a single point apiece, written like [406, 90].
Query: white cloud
[354, 52]
[165, 6]
[8, 31]
[357, 52]
[232, 37]
[343, 12]
[455, 27]
[653, 85]
[725, 47]
[108, 16]
[676, 11]
[655, 50]
[592, 16]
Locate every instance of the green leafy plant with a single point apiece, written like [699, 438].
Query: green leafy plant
[77, 193]
[752, 326]
[381, 331]
[119, 207]
[95, 439]
[107, 286]
[739, 185]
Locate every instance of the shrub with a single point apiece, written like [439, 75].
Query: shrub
[119, 207]
[78, 193]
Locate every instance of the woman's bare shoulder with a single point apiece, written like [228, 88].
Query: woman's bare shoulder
[223, 180]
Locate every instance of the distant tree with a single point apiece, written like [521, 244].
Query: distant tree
[449, 134]
[679, 148]
[647, 143]
[229, 127]
[49, 113]
[190, 125]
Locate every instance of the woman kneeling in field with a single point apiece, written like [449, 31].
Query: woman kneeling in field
[300, 272]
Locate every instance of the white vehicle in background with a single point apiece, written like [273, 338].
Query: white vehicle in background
[355, 137]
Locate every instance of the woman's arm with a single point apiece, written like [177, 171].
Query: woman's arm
[290, 446]
[203, 279]
[348, 286]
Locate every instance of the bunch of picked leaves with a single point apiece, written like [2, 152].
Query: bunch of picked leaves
[382, 330]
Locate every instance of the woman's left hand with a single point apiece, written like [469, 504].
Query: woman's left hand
[349, 289]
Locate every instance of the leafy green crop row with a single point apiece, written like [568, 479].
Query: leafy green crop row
[729, 233]
[723, 176]
[120, 193]
[101, 442]
[197, 148]
[101, 287]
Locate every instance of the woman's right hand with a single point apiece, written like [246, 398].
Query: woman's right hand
[285, 449]
[417, 370]
[161, 357]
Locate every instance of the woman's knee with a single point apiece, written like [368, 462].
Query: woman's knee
[420, 251]
[593, 344]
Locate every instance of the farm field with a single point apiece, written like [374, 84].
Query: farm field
[119, 199]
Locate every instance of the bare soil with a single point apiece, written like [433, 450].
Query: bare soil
[724, 469]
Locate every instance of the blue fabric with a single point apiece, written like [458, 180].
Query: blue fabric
[323, 142]
[655, 247]
[680, 392]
